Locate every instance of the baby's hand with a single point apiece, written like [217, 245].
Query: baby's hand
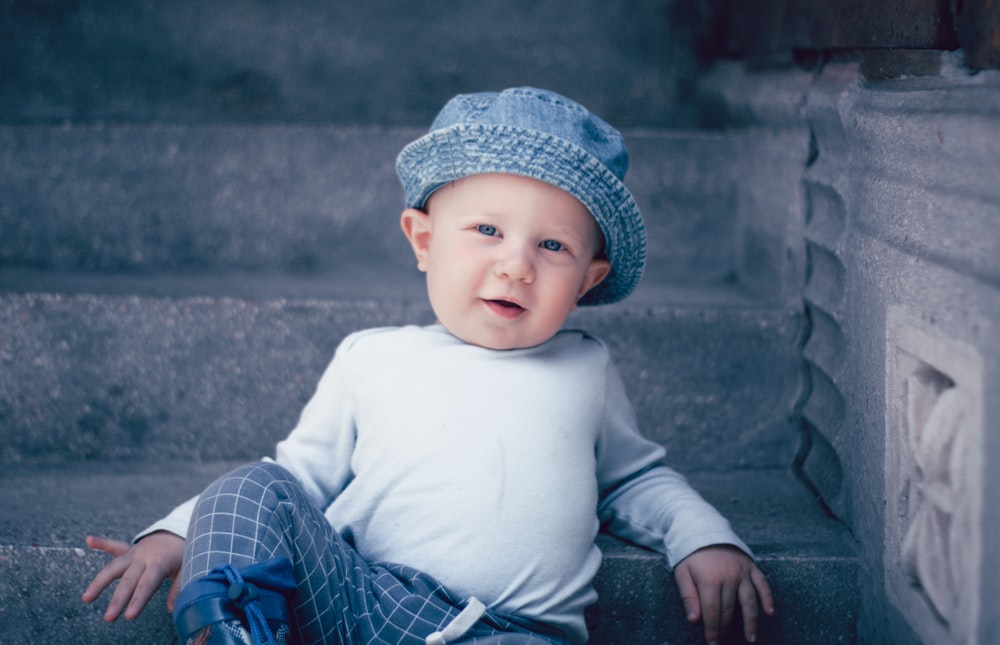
[711, 580]
[142, 567]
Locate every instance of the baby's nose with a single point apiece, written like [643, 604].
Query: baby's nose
[515, 263]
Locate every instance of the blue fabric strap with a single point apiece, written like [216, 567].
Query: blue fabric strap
[252, 595]
[246, 596]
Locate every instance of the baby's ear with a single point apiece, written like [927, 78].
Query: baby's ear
[598, 270]
[416, 225]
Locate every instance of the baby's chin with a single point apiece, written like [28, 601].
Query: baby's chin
[488, 341]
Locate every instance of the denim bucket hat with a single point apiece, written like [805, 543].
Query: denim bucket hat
[538, 134]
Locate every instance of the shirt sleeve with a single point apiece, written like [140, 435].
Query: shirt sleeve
[644, 501]
[317, 451]
[176, 522]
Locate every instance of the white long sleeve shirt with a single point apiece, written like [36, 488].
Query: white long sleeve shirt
[489, 470]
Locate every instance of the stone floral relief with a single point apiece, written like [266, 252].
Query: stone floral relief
[934, 476]
[938, 514]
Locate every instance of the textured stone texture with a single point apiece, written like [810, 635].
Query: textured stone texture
[978, 28]
[897, 32]
[772, 26]
[903, 201]
[321, 203]
[198, 202]
[201, 199]
[384, 62]
[934, 467]
[922, 233]
[804, 553]
[128, 377]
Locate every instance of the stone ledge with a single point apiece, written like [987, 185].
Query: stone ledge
[388, 62]
[40, 590]
[322, 201]
[769, 508]
[132, 377]
[44, 567]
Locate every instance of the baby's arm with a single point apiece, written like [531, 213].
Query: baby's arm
[645, 502]
[141, 567]
[317, 452]
[713, 579]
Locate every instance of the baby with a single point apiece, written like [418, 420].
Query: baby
[447, 483]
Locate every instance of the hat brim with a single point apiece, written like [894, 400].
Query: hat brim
[446, 155]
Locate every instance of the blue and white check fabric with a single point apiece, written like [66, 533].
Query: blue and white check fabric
[260, 511]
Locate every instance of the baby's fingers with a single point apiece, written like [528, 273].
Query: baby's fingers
[111, 572]
[114, 547]
[149, 583]
[763, 590]
[750, 592]
[711, 610]
[689, 593]
[172, 593]
[128, 595]
[748, 605]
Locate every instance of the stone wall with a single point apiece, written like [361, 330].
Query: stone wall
[901, 215]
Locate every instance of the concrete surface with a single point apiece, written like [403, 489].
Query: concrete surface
[385, 62]
[199, 201]
[322, 202]
[134, 377]
[902, 212]
[44, 564]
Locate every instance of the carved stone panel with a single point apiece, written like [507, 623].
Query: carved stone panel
[934, 479]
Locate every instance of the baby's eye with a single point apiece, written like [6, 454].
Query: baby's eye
[486, 229]
[552, 245]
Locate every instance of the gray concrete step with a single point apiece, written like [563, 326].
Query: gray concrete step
[389, 61]
[317, 201]
[178, 377]
[199, 202]
[44, 565]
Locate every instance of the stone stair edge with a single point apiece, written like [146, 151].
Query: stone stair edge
[813, 571]
[638, 603]
[392, 132]
[125, 376]
[186, 198]
[654, 292]
[834, 553]
[61, 502]
[385, 61]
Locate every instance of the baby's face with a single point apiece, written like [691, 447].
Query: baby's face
[506, 257]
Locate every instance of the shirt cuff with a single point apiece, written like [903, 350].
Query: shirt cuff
[176, 522]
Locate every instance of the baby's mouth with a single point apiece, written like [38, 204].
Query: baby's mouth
[505, 308]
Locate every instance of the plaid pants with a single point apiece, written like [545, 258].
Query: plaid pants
[260, 511]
